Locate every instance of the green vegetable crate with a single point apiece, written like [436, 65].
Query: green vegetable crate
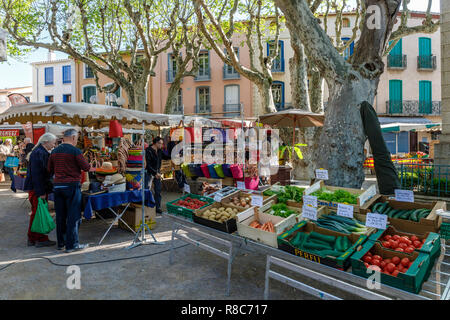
[343, 195]
[411, 281]
[429, 223]
[289, 195]
[309, 248]
[445, 230]
[185, 212]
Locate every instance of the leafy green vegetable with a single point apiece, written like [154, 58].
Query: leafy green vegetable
[340, 196]
[281, 210]
[287, 193]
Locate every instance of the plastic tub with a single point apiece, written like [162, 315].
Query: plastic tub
[226, 170]
[219, 171]
[212, 171]
[205, 170]
[236, 171]
[198, 170]
[186, 170]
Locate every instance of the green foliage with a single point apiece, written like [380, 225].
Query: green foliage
[281, 210]
[287, 193]
[340, 196]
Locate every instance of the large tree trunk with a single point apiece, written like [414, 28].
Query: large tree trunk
[172, 96]
[265, 91]
[315, 91]
[140, 98]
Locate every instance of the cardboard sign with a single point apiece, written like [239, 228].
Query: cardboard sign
[310, 200]
[257, 200]
[376, 220]
[316, 186]
[322, 174]
[187, 188]
[309, 212]
[404, 195]
[217, 198]
[240, 185]
[345, 210]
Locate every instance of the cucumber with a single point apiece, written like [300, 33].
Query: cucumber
[338, 245]
[315, 246]
[406, 215]
[376, 207]
[333, 253]
[392, 212]
[347, 243]
[397, 215]
[415, 215]
[383, 207]
[424, 214]
[298, 239]
[315, 235]
[323, 243]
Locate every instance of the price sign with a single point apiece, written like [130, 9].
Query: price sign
[376, 220]
[187, 188]
[322, 174]
[217, 198]
[240, 185]
[404, 195]
[309, 212]
[345, 210]
[310, 200]
[257, 200]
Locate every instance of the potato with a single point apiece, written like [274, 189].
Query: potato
[233, 215]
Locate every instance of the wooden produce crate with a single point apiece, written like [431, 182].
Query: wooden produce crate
[269, 238]
[431, 223]
[166, 166]
[227, 199]
[133, 217]
[363, 195]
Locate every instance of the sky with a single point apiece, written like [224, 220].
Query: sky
[15, 73]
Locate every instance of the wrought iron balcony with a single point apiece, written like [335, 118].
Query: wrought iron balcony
[426, 63]
[232, 107]
[397, 61]
[413, 108]
[204, 110]
[203, 75]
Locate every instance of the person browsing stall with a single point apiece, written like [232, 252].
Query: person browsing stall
[38, 184]
[66, 163]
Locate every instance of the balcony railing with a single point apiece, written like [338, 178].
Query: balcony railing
[230, 73]
[177, 109]
[397, 61]
[413, 108]
[203, 109]
[426, 62]
[232, 107]
[205, 75]
[278, 65]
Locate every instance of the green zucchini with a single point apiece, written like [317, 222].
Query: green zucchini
[415, 215]
[376, 207]
[315, 235]
[424, 214]
[338, 244]
[383, 207]
[315, 246]
[316, 241]
[388, 210]
[392, 212]
[406, 215]
[333, 253]
[397, 215]
[298, 239]
[347, 243]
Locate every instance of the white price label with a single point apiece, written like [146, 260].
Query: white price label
[187, 188]
[345, 210]
[240, 185]
[309, 212]
[257, 201]
[376, 220]
[322, 174]
[217, 198]
[310, 200]
[404, 195]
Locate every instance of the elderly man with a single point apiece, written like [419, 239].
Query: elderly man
[66, 163]
[38, 184]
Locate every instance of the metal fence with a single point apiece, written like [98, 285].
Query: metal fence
[430, 179]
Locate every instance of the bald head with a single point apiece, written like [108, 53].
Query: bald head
[27, 140]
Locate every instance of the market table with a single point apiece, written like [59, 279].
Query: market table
[437, 288]
[114, 199]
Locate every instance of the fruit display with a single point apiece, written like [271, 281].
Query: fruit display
[402, 243]
[341, 224]
[340, 196]
[287, 193]
[391, 266]
[190, 203]
[281, 210]
[411, 214]
[219, 214]
[268, 226]
[320, 244]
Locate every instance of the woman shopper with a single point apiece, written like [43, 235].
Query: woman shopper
[6, 151]
[38, 184]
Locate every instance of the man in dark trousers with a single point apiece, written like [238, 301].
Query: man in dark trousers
[66, 163]
[153, 157]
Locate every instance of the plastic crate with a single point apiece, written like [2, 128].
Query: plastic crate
[445, 230]
[185, 212]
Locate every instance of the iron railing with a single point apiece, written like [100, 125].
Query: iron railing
[426, 62]
[429, 179]
[232, 107]
[203, 109]
[230, 73]
[397, 61]
[203, 75]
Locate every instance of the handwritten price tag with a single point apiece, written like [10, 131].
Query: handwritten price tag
[376, 220]
[217, 198]
[187, 188]
[257, 201]
[310, 200]
[404, 195]
[240, 185]
[309, 212]
[322, 174]
[345, 210]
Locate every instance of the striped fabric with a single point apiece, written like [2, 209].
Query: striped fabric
[66, 163]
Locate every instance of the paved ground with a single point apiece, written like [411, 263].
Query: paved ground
[196, 274]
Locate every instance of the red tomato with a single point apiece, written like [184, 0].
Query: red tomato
[386, 244]
[405, 262]
[387, 237]
[395, 260]
[396, 237]
[369, 254]
[387, 261]
[367, 259]
[414, 238]
[366, 264]
[400, 249]
[377, 257]
[390, 267]
[410, 249]
[403, 245]
[406, 241]
[417, 244]
[394, 244]
[395, 273]
[376, 268]
[376, 262]
[382, 265]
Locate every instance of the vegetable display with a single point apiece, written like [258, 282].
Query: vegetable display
[340, 196]
[190, 203]
[341, 224]
[391, 267]
[412, 214]
[268, 226]
[241, 201]
[402, 243]
[281, 210]
[220, 214]
[287, 193]
[321, 244]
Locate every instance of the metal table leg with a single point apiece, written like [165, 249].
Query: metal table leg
[118, 217]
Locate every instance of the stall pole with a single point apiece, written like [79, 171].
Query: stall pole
[143, 226]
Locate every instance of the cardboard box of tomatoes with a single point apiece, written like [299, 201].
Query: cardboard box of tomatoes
[397, 269]
[287, 242]
[188, 204]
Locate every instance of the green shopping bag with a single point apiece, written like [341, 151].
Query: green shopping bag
[43, 221]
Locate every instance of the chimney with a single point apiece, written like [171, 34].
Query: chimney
[51, 55]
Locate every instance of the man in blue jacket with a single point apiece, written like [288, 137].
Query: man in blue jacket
[38, 184]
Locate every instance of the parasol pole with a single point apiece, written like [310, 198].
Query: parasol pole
[293, 144]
